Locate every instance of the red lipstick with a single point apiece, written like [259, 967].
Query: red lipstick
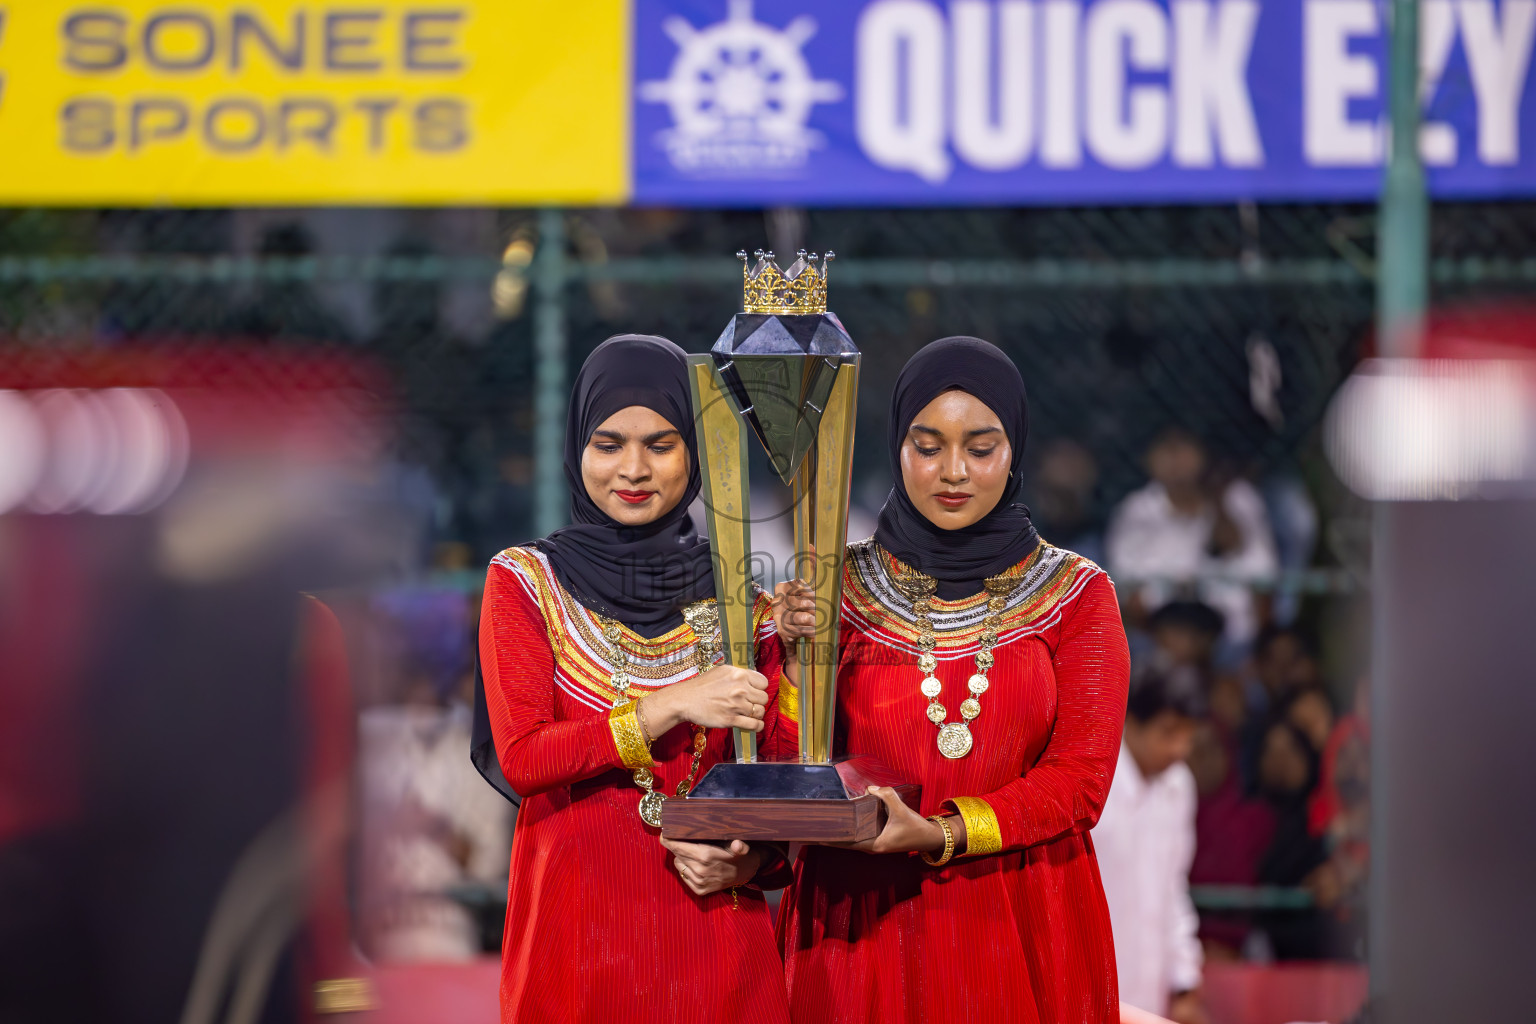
[953, 499]
[634, 497]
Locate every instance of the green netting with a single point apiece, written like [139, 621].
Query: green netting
[1235, 322]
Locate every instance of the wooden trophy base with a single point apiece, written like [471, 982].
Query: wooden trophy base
[786, 801]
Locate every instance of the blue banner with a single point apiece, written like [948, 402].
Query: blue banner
[1020, 102]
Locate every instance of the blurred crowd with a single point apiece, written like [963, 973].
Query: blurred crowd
[1237, 825]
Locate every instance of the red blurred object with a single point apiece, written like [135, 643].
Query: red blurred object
[1325, 803]
[1234, 993]
[219, 365]
[466, 994]
[1498, 331]
[295, 402]
[425, 992]
[1240, 993]
[325, 684]
[175, 720]
[1491, 332]
[44, 603]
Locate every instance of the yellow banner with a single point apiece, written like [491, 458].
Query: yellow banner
[267, 101]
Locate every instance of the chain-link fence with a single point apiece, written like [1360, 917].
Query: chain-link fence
[1237, 323]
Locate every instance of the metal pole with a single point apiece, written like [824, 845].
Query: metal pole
[1402, 287]
[1402, 257]
[550, 495]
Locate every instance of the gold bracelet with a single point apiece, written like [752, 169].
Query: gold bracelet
[645, 727]
[949, 842]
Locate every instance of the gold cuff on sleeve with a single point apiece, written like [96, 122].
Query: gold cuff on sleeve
[789, 699]
[983, 834]
[629, 737]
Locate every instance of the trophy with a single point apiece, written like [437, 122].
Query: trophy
[788, 368]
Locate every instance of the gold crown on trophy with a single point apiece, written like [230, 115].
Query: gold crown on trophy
[800, 289]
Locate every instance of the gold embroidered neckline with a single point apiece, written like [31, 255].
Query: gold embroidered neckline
[671, 637]
[872, 593]
[904, 576]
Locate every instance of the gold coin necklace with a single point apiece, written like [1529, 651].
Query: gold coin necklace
[702, 618]
[955, 739]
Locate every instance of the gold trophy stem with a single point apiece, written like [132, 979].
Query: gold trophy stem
[722, 444]
[821, 495]
[802, 495]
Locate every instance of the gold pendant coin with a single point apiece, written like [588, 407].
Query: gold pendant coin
[955, 740]
[650, 807]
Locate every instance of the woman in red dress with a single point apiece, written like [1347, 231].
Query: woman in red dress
[596, 646]
[991, 668]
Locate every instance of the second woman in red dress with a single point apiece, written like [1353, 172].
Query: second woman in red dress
[991, 668]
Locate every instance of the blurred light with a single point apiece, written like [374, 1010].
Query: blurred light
[509, 291]
[1434, 430]
[115, 451]
[22, 440]
[152, 454]
[79, 443]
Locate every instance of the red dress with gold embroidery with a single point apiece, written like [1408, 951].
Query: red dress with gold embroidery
[1016, 930]
[599, 925]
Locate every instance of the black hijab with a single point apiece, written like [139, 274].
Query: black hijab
[959, 559]
[642, 576]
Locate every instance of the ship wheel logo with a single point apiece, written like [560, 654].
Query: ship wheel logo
[740, 93]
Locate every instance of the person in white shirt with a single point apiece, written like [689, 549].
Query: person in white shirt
[1145, 841]
[432, 826]
[1183, 528]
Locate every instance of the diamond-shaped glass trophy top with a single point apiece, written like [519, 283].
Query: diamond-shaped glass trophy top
[790, 334]
[780, 368]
